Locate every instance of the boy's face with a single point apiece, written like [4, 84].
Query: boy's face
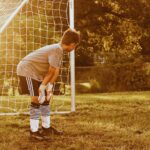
[70, 47]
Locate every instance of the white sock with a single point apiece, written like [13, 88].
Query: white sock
[45, 121]
[34, 125]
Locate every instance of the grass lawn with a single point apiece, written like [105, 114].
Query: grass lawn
[108, 121]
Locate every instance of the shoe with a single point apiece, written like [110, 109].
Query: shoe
[36, 135]
[51, 130]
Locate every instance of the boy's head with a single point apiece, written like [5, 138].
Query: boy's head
[70, 39]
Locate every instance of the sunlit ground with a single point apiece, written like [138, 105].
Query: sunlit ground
[107, 121]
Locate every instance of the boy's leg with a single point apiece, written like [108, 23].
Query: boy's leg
[47, 129]
[34, 114]
[45, 114]
[44, 109]
[29, 86]
[34, 119]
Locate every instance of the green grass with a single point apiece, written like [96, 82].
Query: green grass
[109, 121]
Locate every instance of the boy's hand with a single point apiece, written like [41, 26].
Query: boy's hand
[42, 96]
[49, 91]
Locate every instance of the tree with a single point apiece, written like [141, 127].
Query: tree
[118, 26]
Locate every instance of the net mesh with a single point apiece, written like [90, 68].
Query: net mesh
[6, 10]
[38, 23]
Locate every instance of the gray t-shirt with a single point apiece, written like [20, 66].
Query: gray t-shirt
[36, 64]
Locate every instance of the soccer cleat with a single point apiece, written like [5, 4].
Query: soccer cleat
[49, 131]
[36, 135]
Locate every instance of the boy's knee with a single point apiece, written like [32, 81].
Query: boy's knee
[45, 103]
[34, 99]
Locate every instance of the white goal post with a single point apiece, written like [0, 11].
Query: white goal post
[72, 58]
[25, 26]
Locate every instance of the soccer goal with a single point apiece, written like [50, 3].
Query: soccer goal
[26, 25]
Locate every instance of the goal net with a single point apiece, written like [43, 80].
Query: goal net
[25, 26]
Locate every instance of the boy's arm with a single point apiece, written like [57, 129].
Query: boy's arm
[49, 88]
[51, 75]
[47, 84]
[50, 78]
[55, 75]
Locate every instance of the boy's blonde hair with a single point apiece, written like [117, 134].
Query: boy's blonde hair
[70, 36]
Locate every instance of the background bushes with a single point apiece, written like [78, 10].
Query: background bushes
[112, 78]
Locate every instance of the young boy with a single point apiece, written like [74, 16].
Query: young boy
[37, 73]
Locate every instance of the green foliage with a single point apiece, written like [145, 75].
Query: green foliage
[83, 88]
[119, 27]
[119, 77]
[95, 86]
